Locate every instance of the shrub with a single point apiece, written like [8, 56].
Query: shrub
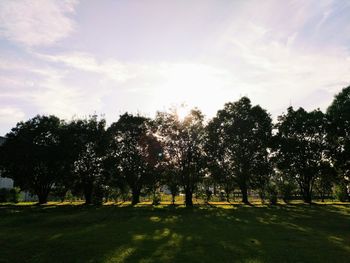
[340, 192]
[9, 195]
[156, 199]
[3, 195]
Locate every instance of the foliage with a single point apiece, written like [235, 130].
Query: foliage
[141, 156]
[86, 137]
[237, 144]
[156, 198]
[9, 195]
[32, 155]
[133, 154]
[339, 133]
[325, 180]
[300, 147]
[183, 149]
[340, 192]
[286, 190]
[272, 193]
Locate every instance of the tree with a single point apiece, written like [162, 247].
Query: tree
[32, 155]
[238, 141]
[133, 153]
[301, 147]
[183, 148]
[325, 180]
[171, 179]
[218, 157]
[339, 134]
[85, 138]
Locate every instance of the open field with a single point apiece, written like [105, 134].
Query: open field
[213, 233]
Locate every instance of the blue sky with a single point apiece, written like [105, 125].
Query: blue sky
[75, 58]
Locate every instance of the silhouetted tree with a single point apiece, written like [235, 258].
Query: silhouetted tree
[339, 135]
[325, 180]
[87, 154]
[238, 141]
[301, 147]
[287, 185]
[32, 155]
[218, 156]
[133, 153]
[183, 148]
[171, 179]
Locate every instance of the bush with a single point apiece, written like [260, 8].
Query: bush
[9, 195]
[340, 192]
[156, 199]
[70, 197]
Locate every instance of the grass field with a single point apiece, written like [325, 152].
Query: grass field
[213, 233]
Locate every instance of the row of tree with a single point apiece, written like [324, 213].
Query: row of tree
[240, 148]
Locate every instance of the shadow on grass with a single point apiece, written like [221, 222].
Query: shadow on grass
[71, 233]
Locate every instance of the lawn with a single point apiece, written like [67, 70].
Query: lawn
[120, 233]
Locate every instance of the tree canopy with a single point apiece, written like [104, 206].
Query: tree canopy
[238, 149]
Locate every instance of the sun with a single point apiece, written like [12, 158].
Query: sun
[182, 111]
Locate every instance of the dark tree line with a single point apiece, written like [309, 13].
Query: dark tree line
[240, 148]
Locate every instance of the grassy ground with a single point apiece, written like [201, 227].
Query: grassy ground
[214, 233]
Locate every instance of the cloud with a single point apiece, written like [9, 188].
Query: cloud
[254, 65]
[9, 116]
[295, 56]
[9, 113]
[83, 61]
[51, 96]
[41, 89]
[277, 64]
[158, 84]
[36, 23]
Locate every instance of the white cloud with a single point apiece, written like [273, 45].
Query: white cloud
[273, 54]
[160, 84]
[36, 23]
[259, 67]
[11, 113]
[9, 116]
[54, 95]
[82, 61]
[276, 64]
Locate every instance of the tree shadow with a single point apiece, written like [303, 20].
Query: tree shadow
[315, 233]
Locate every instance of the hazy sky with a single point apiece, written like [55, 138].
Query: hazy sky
[78, 58]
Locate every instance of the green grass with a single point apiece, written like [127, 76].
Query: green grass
[76, 233]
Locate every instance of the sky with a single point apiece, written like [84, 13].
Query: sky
[77, 58]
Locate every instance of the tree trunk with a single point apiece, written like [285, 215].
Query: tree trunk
[173, 199]
[135, 197]
[244, 192]
[188, 198]
[63, 196]
[214, 189]
[307, 196]
[42, 198]
[88, 197]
